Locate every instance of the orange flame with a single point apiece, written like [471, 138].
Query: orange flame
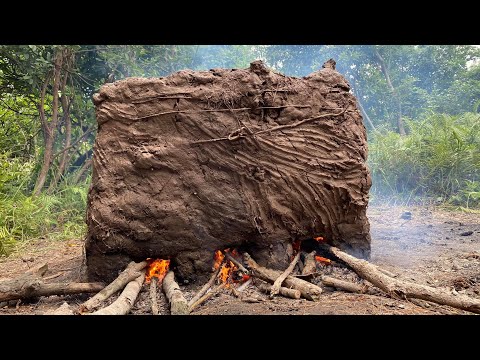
[319, 239]
[157, 268]
[218, 258]
[323, 260]
[227, 268]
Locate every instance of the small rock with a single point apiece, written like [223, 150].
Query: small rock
[407, 215]
[466, 233]
[401, 306]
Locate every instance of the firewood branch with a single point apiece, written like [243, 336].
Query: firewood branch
[237, 263]
[290, 293]
[308, 290]
[31, 285]
[404, 289]
[279, 281]
[125, 301]
[207, 296]
[131, 272]
[205, 287]
[153, 296]
[178, 303]
[347, 285]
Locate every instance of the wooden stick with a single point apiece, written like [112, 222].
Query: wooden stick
[244, 285]
[125, 301]
[310, 264]
[308, 290]
[153, 296]
[131, 272]
[386, 272]
[207, 296]
[205, 287]
[347, 285]
[237, 263]
[405, 289]
[290, 293]
[279, 281]
[245, 298]
[178, 303]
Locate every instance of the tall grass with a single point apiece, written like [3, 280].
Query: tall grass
[439, 159]
[22, 217]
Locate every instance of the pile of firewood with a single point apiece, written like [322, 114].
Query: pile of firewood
[273, 282]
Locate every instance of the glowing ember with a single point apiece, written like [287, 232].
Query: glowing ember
[323, 260]
[157, 268]
[296, 246]
[245, 277]
[319, 239]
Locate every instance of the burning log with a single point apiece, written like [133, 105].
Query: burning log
[236, 262]
[279, 281]
[290, 293]
[207, 296]
[309, 291]
[310, 264]
[125, 301]
[347, 285]
[178, 303]
[131, 272]
[405, 289]
[153, 296]
[31, 285]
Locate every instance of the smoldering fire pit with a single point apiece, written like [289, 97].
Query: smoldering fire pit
[206, 160]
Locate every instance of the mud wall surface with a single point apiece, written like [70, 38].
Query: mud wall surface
[205, 160]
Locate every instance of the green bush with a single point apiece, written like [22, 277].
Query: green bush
[22, 217]
[439, 159]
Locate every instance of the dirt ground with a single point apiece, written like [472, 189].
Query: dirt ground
[435, 247]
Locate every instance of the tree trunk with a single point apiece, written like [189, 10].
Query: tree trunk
[86, 165]
[309, 291]
[384, 68]
[365, 115]
[405, 289]
[68, 138]
[49, 128]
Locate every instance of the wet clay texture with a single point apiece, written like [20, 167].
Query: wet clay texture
[205, 160]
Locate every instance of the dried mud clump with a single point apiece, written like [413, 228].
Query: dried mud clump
[205, 160]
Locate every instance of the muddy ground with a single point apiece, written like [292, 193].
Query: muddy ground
[435, 247]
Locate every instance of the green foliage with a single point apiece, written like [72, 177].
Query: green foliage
[23, 217]
[440, 158]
